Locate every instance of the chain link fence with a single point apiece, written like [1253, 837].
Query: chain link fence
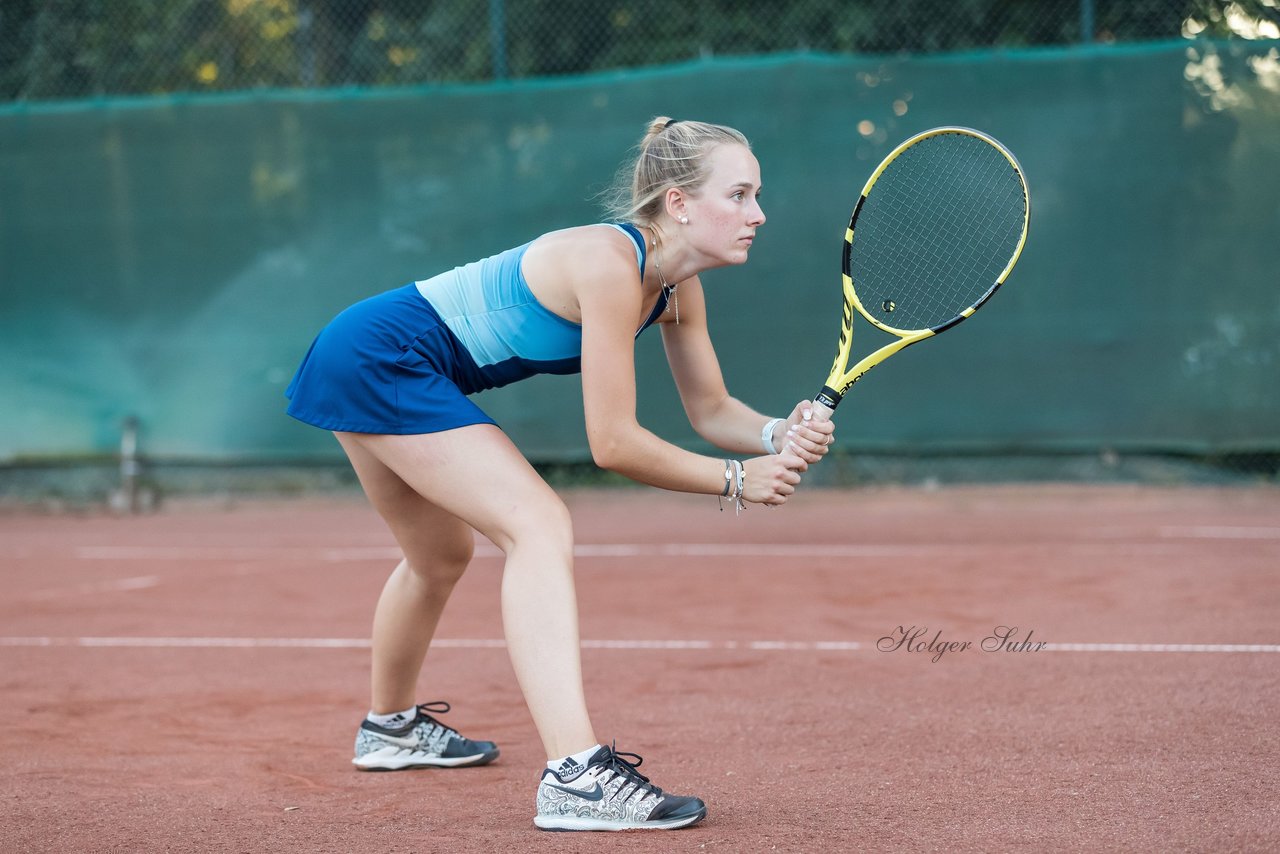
[63, 50]
[59, 49]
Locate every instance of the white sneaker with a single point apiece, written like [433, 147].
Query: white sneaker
[423, 742]
[610, 794]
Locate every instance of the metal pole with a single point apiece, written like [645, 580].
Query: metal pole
[130, 467]
[1086, 21]
[498, 38]
[306, 48]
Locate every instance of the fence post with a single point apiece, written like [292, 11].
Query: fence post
[498, 38]
[1086, 21]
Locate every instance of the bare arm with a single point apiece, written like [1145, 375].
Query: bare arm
[717, 416]
[721, 419]
[610, 300]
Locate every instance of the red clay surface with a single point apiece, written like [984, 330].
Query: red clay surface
[157, 698]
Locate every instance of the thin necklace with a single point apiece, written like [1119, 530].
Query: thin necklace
[668, 290]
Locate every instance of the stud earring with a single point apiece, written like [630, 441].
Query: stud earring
[684, 220]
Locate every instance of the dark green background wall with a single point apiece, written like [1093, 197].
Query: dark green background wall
[172, 258]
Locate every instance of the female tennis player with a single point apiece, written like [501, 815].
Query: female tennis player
[391, 377]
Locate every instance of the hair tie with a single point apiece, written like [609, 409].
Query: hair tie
[670, 123]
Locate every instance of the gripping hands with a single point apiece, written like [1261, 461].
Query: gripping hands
[808, 437]
[805, 440]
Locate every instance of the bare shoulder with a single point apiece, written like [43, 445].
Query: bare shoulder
[584, 244]
[565, 269]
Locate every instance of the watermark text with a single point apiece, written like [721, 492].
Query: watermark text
[918, 639]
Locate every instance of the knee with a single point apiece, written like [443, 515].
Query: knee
[547, 527]
[442, 563]
[455, 557]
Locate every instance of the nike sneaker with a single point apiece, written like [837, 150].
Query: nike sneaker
[422, 742]
[610, 794]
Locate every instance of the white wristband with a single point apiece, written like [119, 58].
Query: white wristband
[766, 436]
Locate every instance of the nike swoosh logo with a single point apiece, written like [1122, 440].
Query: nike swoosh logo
[409, 742]
[590, 795]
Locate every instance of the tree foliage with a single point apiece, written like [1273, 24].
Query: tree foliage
[92, 48]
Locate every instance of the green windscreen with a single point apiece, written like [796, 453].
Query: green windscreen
[172, 258]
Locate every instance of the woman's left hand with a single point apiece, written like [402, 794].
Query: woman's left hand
[808, 437]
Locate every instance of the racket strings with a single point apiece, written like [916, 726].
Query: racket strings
[936, 231]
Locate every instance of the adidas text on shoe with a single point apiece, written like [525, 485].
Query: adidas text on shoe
[610, 794]
[422, 743]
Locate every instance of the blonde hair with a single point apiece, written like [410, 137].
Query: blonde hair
[672, 153]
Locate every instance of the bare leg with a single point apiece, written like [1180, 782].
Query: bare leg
[403, 625]
[431, 488]
[437, 547]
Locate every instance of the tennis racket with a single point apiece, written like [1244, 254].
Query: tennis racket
[936, 232]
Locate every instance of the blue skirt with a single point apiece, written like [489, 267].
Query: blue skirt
[387, 364]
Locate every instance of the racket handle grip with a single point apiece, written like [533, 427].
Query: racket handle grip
[825, 403]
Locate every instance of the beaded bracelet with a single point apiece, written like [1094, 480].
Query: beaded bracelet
[734, 483]
[737, 495]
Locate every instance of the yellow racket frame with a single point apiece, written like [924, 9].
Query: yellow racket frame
[842, 378]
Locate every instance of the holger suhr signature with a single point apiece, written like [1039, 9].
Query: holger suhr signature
[916, 639]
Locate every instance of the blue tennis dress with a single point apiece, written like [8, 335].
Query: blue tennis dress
[405, 361]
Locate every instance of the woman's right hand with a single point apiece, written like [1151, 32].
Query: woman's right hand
[772, 479]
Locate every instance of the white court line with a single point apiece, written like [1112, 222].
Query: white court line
[485, 550]
[138, 582]
[618, 550]
[492, 643]
[238, 553]
[1219, 532]
[1104, 545]
[1162, 647]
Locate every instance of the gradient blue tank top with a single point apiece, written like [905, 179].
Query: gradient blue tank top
[488, 307]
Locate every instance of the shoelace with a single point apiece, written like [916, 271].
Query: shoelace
[439, 707]
[625, 769]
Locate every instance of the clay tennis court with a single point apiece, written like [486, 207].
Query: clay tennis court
[191, 680]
